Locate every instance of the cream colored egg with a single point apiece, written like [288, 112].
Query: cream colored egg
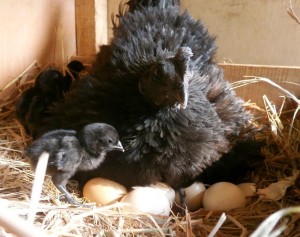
[103, 191]
[249, 189]
[167, 190]
[223, 196]
[146, 199]
[193, 196]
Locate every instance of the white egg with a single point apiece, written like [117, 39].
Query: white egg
[249, 189]
[103, 191]
[166, 190]
[223, 196]
[146, 199]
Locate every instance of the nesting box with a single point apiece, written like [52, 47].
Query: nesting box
[255, 38]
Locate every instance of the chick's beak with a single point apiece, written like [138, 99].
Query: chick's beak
[118, 147]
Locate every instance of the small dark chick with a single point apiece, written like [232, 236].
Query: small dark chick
[49, 87]
[71, 151]
[75, 69]
[33, 103]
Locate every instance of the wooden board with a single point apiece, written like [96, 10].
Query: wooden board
[91, 26]
[85, 27]
[282, 76]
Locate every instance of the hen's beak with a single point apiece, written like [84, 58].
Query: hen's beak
[183, 57]
[183, 95]
[118, 147]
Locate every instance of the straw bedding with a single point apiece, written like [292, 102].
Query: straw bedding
[282, 157]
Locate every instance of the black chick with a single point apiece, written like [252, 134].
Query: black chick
[53, 82]
[70, 151]
[49, 87]
[75, 69]
[32, 104]
[158, 84]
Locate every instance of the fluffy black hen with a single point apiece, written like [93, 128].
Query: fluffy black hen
[158, 84]
[70, 151]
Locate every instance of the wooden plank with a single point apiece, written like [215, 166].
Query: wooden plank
[280, 75]
[91, 26]
[101, 19]
[85, 27]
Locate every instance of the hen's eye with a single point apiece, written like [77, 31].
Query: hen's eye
[157, 76]
[110, 141]
[178, 85]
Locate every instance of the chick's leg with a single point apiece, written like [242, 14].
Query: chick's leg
[60, 181]
[67, 195]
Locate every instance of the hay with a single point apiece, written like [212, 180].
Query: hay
[282, 137]
[291, 11]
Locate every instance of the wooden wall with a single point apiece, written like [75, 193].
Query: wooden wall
[42, 30]
[285, 77]
[251, 32]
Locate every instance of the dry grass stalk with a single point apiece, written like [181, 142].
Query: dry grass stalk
[291, 11]
[60, 219]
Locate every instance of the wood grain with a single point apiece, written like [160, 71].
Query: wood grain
[91, 26]
[85, 27]
[278, 74]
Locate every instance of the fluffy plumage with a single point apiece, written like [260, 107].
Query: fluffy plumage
[49, 87]
[70, 151]
[157, 83]
[136, 4]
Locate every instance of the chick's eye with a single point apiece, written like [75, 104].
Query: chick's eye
[110, 141]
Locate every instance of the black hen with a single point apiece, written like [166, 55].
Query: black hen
[157, 83]
[70, 151]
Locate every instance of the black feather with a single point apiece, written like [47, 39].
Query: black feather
[137, 4]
